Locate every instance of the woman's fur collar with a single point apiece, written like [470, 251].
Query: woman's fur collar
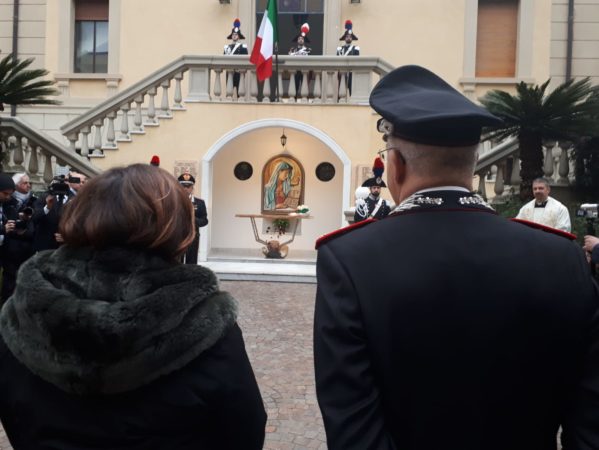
[110, 321]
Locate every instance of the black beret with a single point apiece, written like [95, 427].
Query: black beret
[423, 108]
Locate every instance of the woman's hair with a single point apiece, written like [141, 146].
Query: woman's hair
[137, 206]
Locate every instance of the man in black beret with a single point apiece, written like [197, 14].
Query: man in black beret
[465, 334]
[188, 181]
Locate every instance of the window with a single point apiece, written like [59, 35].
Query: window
[292, 14]
[91, 36]
[496, 38]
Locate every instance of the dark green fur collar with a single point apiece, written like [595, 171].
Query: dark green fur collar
[110, 321]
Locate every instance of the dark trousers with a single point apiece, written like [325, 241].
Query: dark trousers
[191, 254]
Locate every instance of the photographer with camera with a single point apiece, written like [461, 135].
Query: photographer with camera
[8, 217]
[47, 214]
[18, 243]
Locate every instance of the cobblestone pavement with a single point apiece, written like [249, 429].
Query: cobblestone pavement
[276, 319]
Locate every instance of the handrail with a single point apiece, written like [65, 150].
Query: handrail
[51, 145]
[496, 154]
[220, 62]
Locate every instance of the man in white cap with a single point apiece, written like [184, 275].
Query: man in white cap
[187, 181]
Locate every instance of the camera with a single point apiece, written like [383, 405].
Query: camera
[58, 186]
[20, 224]
[588, 210]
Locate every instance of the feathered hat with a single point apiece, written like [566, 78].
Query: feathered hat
[377, 169]
[236, 29]
[349, 30]
[155, 161]
[304, 30]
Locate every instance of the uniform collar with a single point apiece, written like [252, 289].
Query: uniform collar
[444, 197]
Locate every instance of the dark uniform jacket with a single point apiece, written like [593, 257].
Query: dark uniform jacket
[348, 50]
[231, 49]
[120, 350]
[371, 203]
[449, 327]
[200, 213]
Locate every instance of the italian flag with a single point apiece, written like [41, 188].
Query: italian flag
[263, 47]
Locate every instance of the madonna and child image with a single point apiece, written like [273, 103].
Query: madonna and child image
[283, 181]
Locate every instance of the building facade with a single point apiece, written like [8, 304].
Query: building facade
[148, 77]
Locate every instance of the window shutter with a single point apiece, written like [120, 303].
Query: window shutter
[91, 10]
[496, 36]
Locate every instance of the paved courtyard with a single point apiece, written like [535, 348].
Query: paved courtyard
[276, 319]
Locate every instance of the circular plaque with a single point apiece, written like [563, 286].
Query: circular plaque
[243, 171]
[325, 171]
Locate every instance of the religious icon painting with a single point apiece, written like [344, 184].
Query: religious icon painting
[282, 185]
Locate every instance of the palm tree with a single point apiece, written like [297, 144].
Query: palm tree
[567, 113]
[22, 86]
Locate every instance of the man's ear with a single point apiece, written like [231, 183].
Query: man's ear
[399, 166]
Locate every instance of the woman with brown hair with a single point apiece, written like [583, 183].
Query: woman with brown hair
[110, 343]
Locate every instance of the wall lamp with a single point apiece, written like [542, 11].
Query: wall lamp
[227, 2]
[354, 1]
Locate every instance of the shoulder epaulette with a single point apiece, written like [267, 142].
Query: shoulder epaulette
[244, 45]
[338, 48]
[357, 48]
[545, 228]
[341, 231]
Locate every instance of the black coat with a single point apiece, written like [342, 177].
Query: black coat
[200, 213]
[119, 350]
[448, 327]
[46, 224]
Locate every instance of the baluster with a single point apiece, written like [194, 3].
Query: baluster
[178, 97]
[165, 111]
[73, 142]
[241, 89]
[217, 84]
[17, 154]
[84, 142]
[98, 138]
[229, 88]
[125, 136]
[280, 86]
[482, 184]
[330, 94]
[515, 179]
[266, 91]
[253, 86]
[564, 164]
[48, 174]
[137, 120]
[317, 90]
[110, 136]
[33, 165]
[499, 181]
[343, 88]
[304, 88]
[151, 118]
[548, 162]
[292, 91]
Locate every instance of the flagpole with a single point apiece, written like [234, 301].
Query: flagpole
[277, 70]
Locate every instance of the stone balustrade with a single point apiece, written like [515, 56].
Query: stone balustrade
[501, 165]
[307, 80]
[27, 150]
